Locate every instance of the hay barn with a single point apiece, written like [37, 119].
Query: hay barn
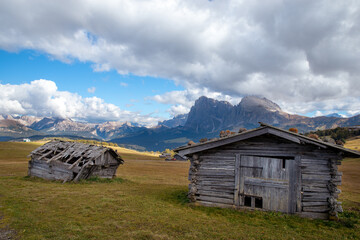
[270, 169]
[72, 161]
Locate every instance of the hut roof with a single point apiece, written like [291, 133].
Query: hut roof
[262, 130]
[65, 151]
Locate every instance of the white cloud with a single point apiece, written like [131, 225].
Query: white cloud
[42, 98]
[123, 84]
[91, 90]
[182, 101]
[300, 53]
[347, 106]
[178, 109]
[129, 105]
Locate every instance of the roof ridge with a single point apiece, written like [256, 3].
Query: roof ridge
[264, 126]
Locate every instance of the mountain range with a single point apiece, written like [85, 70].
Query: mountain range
[206, 119]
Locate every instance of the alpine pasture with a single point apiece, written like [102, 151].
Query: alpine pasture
[148, 200]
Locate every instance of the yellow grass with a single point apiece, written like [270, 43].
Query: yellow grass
[353, 144]
[351, 178]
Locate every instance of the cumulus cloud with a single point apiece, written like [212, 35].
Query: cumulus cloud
[42, 98]
[293, 52]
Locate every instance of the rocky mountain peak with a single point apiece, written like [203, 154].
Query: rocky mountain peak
[205, 101]
[253, 102]
[178, 120]
[28, 120]
[208, 115]
[8, 117]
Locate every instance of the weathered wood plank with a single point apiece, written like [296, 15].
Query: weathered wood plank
[292, 202]
[76, 163]
[215, 194]
[305, 176]
[212, 204]
[315, 203]
[51, 168]
[271, 183]
[323, 195]
[315, 189]
[319, 209]
[311, 184]
[217, 167]
[298, 183]
[51, 175]
[319, 177]
[313, 167]
[313, 199]
[257, 153]
[215, 173]
[237, 179]
[218, 158]
[210, 145]
[45, 155]
[215, 199]
[315, 172]
[216, 183]
[217, 162]
[215, 189]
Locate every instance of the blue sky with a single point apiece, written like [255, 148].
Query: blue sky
[129, 92]
[145, 61]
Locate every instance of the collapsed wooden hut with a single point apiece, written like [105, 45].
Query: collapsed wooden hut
[72, 161]
[178, 157]
[267, 168]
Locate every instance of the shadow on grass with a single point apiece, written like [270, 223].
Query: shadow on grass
[102, 180]
[175, 196]
[349, 219]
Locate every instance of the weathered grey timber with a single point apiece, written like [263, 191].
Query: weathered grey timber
[72, 161]
[179, 158]
[270, 169]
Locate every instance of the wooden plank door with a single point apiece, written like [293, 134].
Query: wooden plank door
[265, 182]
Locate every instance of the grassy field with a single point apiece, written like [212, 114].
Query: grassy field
[148, 200]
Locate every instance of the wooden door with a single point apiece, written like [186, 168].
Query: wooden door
[266, 182]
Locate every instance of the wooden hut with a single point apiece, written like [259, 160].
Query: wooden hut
[72, 161]
[178, 157]
[267, 168]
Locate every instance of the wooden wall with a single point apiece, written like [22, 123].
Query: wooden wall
[53, 171]
[105, 167]
[213, 183]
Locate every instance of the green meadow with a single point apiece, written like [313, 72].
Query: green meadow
[147, 200]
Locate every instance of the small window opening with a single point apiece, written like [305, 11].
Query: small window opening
[258, 202]
[247, 201]
[283, 163]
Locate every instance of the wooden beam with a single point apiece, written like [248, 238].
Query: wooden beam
[45, 155]
[75, 163]
[57, 156]
[283, 135]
